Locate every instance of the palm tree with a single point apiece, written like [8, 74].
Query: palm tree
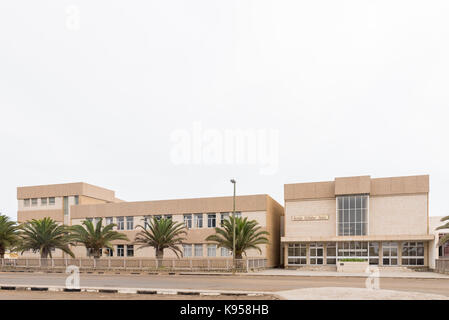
[161, 234]
[247, 236]
[96, 238]
[43, 236]
[444, 239]
[8, 234]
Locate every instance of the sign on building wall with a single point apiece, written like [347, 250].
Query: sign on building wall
[310, 218]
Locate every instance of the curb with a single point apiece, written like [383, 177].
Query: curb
[160, 291]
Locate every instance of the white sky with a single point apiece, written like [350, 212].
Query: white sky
[353, 87]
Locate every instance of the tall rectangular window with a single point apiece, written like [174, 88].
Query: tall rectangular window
[66, 206]
[109, 220]
[77, 200]
[43, 201]
[211, 220]
[51, 201]
[187, 250]
[225, 252]
[389, 253]
[188, 220]
[120, 250]
[130, 250]
[212, 250]
[26, 202]
[316, 253]
[199, 220]
[120, 223]
[198, 250]
[34, 202]
[129, 223]
[223, 216]
[352, 215]
[331, 253]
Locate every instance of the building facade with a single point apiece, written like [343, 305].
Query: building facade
[438, 252]
[71, 204]
[383, 220]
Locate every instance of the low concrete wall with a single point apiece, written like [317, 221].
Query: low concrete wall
[352, 266]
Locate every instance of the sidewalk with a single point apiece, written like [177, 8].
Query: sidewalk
[300, 273]
[383, 274]
[337, 293]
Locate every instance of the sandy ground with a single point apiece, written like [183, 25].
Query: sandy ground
[37, 295]
[335, 293]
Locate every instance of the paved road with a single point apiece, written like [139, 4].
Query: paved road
[253, 283]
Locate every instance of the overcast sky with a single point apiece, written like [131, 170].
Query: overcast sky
[101, 91]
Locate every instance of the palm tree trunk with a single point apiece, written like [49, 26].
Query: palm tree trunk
[44, 256]
[2, 253]
[159, 257]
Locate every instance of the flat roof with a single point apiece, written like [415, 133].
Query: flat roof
[357, 185]
[66, 189]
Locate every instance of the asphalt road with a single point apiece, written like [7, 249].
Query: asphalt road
[212, 282]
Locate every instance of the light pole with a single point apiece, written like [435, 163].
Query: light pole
[233, 226]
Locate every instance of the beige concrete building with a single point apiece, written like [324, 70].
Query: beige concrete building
[437, 252]
[383, 220]
[72, 203]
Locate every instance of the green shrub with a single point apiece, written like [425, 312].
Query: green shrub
[352, 260]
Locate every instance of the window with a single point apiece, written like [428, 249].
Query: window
[225, 252]
[413, 254]
[129, 223]
[120, 250]
[297, 253]
[331, 253]
[316, 253]
[43, 201]
[390, 253]
[168, 216]
[51, 201]
[199, 220]
[109, 252]
[238, 214]
[211, 220]
[352, 215]
[130, 250]
[198, 250]
[187, 250]
[109, 220]
[77, 200]
[120, 223]
[373, 253]
[188, 220]
[26, 202]
[356, 249]
[34, 202]
[96, 220]
[223, 216]
[158, 217]
[211, 250]
[66, 206]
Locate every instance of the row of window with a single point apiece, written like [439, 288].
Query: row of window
[47, 201]
[191, 221]
[412, 252]
[34, 202]
[196, 250]
[121, 251]
[196, 220]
